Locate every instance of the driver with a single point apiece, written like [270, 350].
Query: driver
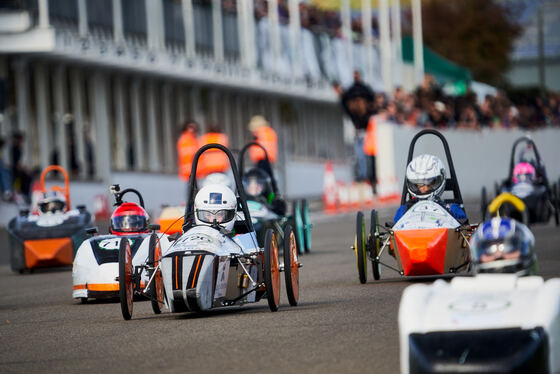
[425, 180]
[258, 186]
[524, 172]
[503, 245]
[52, 202]
[215, 205]
[129, 218]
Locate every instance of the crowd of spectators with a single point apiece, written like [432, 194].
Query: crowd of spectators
[429, 106]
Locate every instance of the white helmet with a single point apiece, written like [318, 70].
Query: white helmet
[425, 177]
[218, 178]
[52, 202]
[215, 204]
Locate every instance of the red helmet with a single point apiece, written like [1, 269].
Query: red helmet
[129, 218]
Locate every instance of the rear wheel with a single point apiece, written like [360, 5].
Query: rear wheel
[291, 265]
[306, 226]
[483, 203]
[360, 247]
[125, 278]
[271, 270]
[156, 285]
[374, 237]
[555, 200]
[298, 226]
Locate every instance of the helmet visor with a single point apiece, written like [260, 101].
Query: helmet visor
[52, 206]
[254, 185]
[218, 216]
[129, 223]
[424, 186]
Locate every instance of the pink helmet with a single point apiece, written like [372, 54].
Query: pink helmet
[524, 172]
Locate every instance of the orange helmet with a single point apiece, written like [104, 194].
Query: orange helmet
[129, 218]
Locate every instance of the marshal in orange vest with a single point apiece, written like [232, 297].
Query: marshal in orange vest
[265, 136]
[187, 145]
[370, 140]
[213, 160]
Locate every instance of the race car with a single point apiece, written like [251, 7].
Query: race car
[216, 261]
[49, 236]
[268, 209]
[427, 240]
[96, 265]
[527, 180]
[499, 321]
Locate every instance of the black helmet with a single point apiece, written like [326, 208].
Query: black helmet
[257, 183]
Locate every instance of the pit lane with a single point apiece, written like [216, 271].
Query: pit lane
[339, 326]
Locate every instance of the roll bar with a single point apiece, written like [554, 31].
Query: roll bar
[116, 190]
[451, 184]
[242, 163]
[193, 187]
[65, 190]
[539, 167]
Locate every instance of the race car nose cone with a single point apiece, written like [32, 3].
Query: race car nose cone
[422, 252]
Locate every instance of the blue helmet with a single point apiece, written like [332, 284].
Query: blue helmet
[503, 245]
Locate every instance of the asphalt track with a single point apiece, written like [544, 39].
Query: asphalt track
[340, 326]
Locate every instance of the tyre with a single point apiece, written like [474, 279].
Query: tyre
[375, 244]
[126, 290]
[306, 226]
[484, 204]
[156, 286]
[360, 247]
[291, 265]
[298, 226]
[271, 270]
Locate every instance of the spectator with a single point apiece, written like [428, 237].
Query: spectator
[187, 145]
[5, 176]
[265, 135]
[21, 176]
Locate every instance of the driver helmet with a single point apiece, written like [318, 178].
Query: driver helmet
[52, 202]
[425, 177]
[524, 172]
[257, 183]
[503, 245]
[218, 178]
[215, 204]
[129, 218]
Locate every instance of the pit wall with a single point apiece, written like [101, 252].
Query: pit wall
[481, 158]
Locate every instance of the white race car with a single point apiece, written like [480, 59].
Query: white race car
[96, 264]
[490, 323]
[210, 266]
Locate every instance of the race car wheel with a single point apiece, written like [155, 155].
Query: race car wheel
[298, 226]
[271, 270]
[125, 278]
[556, 201]
[306, 226]
[360, 247]
[291, 265]
[483, 203]
[374, 238]
[156, 286]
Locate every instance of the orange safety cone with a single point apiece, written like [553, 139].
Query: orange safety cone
[388, 190]
[354, 195]
[367, 194]
[343, 196]
[101, 207]
[329, 189]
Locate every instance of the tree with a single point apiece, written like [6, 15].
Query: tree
[477, 34]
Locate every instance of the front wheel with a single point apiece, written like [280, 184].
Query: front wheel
[298, 226]
[306, 225]
[271, 270]
[155, 290]
[126, 289]
[291, 265]
[375, 241]
[484, 203]
[360, 247]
